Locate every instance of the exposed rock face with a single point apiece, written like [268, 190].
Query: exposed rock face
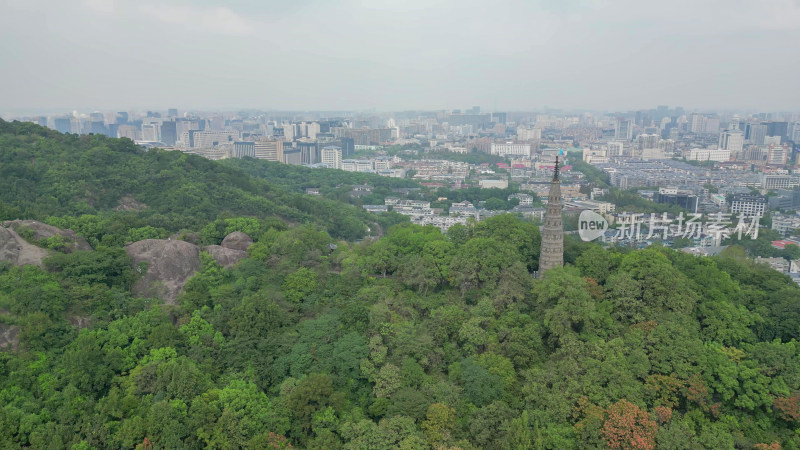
[170, 264]
[128, 203]
[18, 251]
[237, 241]
[8, 336]
[43, 231]
[226, 257]
[80, 322]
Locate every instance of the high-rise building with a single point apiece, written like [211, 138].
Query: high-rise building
[98, 127]
[271, 150]
[778, 129]
[75, 125]
[758, 133]
[172, 112]
[552, 247]
[623, 129]
[648, 141]
[794, 133]
[208, 139]
[169, 132]
[122, 117]
[696, 125]
[711, 125]
[732, 140]
[129, 131]
[62, 124]
[243, 149]
[777, 154]
[150, 132]
[312, 130]
[348, 146]
[309, 150]
[332, 156]
[667, 146]
[478, 121]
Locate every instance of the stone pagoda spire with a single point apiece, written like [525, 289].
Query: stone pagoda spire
[552, 250]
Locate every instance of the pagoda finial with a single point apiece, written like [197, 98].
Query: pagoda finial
[556, 171]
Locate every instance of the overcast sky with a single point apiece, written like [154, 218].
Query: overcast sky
[397, 55]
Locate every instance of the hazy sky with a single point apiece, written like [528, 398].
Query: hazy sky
[395, 55]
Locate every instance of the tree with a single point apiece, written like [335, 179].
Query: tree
[629, 427]
[439, 424]
[479, 263]
[300, 285]
[235, 415]
[313, 393]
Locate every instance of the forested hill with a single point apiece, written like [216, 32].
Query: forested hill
[44, 174]
[417, 340]
[335, 184]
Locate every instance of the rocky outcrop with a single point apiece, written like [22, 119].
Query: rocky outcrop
[226, 257]
[40, 231]
[128, 203]
[18, 251]
[169, 265]
[9, 339]
[192, 238]
[237, 241]
[79, 322]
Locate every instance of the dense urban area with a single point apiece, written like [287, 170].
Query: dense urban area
[738, 170]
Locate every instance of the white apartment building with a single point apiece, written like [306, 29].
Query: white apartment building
[526, 134]
[615, 148]
[596, 206]
[785, 224]
[709, 154]
[510, 148]
[749, 205]
[382, 164]
[488, 184]
[357, 165]
[331, 156]
[775, 181]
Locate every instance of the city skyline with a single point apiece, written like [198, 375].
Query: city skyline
[519, 56]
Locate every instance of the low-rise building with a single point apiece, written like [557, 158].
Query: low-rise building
[779, 264]
[488, 184]
[785, 225]
[751, 205]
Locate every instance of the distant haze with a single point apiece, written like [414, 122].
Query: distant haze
[396, 55]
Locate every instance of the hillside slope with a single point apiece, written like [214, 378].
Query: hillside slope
[44, 173]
